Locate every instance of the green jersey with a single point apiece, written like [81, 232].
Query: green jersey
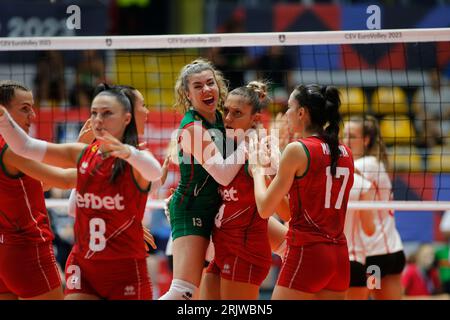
[196, 200]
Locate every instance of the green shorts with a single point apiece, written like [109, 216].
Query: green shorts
[191, 222]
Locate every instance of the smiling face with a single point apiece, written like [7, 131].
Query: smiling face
[107, 114]
[21, 109]
[203, 92]
[238, 115]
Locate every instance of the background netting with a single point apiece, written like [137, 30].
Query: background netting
[395, 75]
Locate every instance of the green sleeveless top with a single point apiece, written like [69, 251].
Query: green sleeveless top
[197, 190]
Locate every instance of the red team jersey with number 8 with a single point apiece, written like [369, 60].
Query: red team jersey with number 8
[318, 200]
[108, 222]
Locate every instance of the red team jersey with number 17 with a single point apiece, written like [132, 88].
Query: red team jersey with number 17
[318, 200]
[108, 222]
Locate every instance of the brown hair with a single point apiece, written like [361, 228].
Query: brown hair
[371, 129]
[7, 90]
[256, 94]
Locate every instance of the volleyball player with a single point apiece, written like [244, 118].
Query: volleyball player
[200, 91]
[28, 267]
[242, 255]
[112, 184]
[356, 223]
[86, 136]
[384, 248]
[317, 172]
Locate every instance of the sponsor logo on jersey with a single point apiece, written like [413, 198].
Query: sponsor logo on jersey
[94, 148]
[129, 291]
[226, 268]
[229, 194]
[90, 200]
[83, 167]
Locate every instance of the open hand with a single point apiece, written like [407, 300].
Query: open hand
[114, 146]
[86, 134]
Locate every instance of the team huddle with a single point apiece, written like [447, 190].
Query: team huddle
[285, 192]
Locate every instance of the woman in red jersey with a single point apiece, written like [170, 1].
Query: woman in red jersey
[28, 268]
[112, 183]
[242, 248]
[317, 172]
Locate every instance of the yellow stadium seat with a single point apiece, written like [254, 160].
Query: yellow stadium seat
[438, 159]
[405, 158]
[397, 130]
[155, 74]
[353, 101]
[159, 97]
[389, 100]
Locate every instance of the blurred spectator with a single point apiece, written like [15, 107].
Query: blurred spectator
[432, 111]
[420, 277]
[232, 61]
[276, 66]
[443, 253]
[50, 82]
[90, 72]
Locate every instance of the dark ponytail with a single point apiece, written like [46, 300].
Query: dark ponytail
[322, 103]
[331, 134]
[126, 98]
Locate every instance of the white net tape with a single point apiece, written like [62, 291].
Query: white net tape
[353, 205]
[225, 40]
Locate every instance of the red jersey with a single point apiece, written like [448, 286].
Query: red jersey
[238, 226]
[108, 222]
[23, 216]
[318, 200]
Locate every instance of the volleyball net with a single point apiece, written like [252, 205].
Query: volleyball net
[399, 76]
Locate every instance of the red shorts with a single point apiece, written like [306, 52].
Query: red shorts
[28, 270]
[122, 279]
[315, 267]
[234, 268]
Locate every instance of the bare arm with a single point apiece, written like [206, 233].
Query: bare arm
[367, 216]
[60, 155]
[145, 167]
[49, 175]
[283, 210]
[197, 141]
[293, 160]
[277, 233]
[165, 169]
